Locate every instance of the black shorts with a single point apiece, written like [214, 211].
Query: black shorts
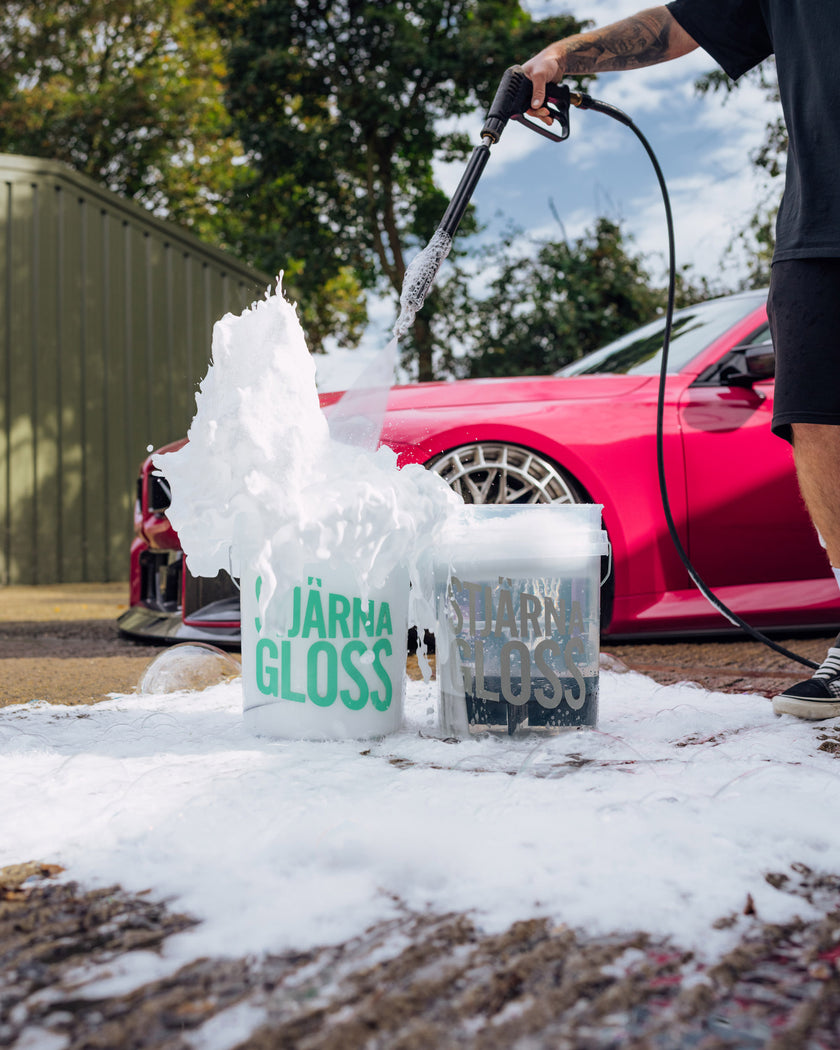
[804, 312]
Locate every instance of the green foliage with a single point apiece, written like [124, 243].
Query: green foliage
[546, 307]
[125, 91]
[131, 93]
[342, 107]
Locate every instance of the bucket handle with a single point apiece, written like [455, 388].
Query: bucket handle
[234, 580]
[606, 575]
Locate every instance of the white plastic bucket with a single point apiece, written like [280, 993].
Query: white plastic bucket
[336, 668]
[517, 595]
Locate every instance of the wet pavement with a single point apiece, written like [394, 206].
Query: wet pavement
[418, 982]
[727, 665]
[421, 981]
[61, 643]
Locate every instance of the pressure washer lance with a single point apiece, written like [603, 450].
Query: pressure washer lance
[512, 101]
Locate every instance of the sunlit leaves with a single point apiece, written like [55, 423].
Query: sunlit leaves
[345, 102]
[128, 92]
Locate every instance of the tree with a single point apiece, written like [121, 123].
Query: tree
[128, 92]
[341, 106]
[547, 307]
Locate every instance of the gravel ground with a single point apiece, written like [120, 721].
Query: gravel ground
[61, 644]
[533, 987]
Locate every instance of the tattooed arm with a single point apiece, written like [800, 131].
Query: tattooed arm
[643, 39]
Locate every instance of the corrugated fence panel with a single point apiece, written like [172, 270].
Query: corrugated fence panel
[71, 307]
[93, 394]
[19, 423]
[109, 305]
[106, 333]
[6, 379]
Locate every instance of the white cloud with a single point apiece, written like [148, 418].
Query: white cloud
[518, 143]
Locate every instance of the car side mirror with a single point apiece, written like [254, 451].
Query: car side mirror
[743, 366]
[760, 361]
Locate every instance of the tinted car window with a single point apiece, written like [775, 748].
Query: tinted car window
[640, 352]
[761, 335]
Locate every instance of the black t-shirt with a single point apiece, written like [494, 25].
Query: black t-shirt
[805, 36]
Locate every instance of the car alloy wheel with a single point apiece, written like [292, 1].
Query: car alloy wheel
[499, 473]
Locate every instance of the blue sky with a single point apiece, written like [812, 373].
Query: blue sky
[702, 144]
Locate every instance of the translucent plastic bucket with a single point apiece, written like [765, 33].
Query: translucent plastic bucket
[336, 669]
[518, 618]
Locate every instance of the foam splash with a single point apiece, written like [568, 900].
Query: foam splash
[263, 487]
[419, 277]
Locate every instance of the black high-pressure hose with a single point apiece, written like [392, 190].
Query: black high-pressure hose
[512, 101]
[586, 102]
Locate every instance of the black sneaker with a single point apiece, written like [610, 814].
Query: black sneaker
[817, 697]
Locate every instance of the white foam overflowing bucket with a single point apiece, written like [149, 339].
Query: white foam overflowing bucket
[335, 668]
[517, 596]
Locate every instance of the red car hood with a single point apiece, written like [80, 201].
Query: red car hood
[506, 391]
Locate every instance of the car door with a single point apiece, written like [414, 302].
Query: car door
[746, 520]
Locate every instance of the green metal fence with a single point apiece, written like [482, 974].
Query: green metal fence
[107, 315]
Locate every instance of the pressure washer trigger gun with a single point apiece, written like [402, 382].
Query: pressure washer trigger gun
[513, 100]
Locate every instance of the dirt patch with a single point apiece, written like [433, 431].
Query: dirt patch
[67, 661]
[415, 982]
[726, 665]
[63, 601]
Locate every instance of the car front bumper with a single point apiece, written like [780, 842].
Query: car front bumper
[169, 604]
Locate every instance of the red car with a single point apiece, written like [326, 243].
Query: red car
[587, 434]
